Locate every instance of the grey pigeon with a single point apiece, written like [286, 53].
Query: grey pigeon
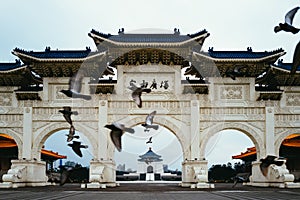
[287, 26]
[296, 59]
[76, 146]
[116, 133]
[149, 122]
[235, 72]
[71, 134]
[67, 113]
[266, 162]
[137, 93]
[75, 87]
[149, 141]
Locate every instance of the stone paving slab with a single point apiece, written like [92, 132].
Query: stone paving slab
[151, 191]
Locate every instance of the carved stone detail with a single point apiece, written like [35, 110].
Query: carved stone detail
[293, 99]
[58, 94]
[11, 120]
[6, 99]
[231, 92]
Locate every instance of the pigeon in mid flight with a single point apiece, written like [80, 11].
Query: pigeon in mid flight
[296, 59]
[235, 72]
[65, 173]
[266, 162]
[149, 141]
[137, 93]
[116, 133]
[75, 87]
[287, 26]
[149, 122]
[71, 134]
[76, 146]
[67, 113]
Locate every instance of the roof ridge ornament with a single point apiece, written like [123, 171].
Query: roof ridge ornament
[121, 31]
[176, 31]
[47, 49]
[18, 62]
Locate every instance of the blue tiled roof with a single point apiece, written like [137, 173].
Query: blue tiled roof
[241, 54]
[151, 154]
[10, 66]
[286, 66]
[148, 38]
[56, 53]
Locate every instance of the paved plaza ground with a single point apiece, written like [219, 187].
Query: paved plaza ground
[149, 191]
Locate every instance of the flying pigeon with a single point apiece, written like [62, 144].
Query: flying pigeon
[116, 133]
[235, 72]
[71, 134]
[67, 113]
[65, 173]
[136, 95]
[296, 59]
[149, 122]
[287, 26]
[75, 87]
[149, 141]
[76, 146]
[266, 162]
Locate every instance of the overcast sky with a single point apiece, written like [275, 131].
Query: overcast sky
[65, 24]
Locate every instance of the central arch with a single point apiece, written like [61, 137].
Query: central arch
[165, 121]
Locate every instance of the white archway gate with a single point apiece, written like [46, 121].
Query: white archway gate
[193, 118]
[193, 111]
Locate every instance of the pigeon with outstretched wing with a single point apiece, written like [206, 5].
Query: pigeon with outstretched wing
[149, 141]
[137, 93]
[75, 84]
[71, 134]
[116, 133]
[149, 122]
[77, 146]
[296, 59]
[67, 113]
[287, 26]
[266, 162]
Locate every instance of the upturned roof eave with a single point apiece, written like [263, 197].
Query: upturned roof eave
[13, 70]
[24, 55]
[148, 44]
[274, 56]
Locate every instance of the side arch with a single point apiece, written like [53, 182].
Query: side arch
[17, 137]
[44, 133]
[281, 136]
[252, 133]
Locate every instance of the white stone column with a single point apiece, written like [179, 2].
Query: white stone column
[86, 87]
[269, 131]
[45, 89]
[194, 130]
[177, 80]
[121, 82]
[102, 170]
[27, 133]
[102, 131]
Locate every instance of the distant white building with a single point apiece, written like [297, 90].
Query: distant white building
[150, 163]
[121, 167]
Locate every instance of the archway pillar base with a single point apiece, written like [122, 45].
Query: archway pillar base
[276, 176]
[25, 173]
[102, 174]
[195, 174]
